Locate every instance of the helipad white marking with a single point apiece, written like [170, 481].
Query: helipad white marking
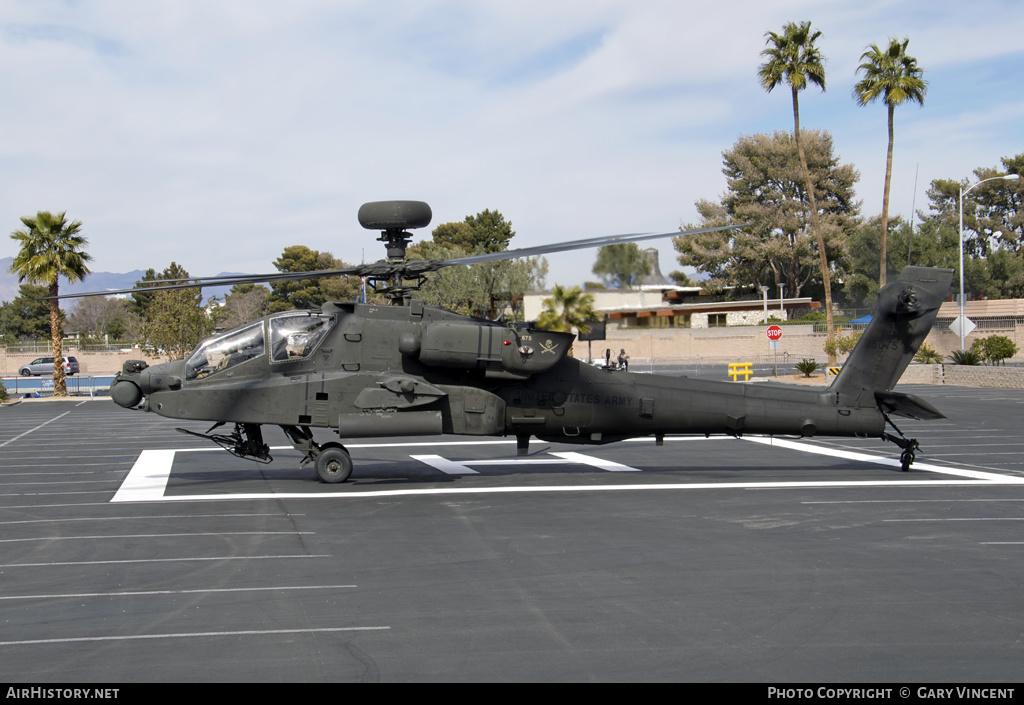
[461, 467]
[52, 564]
[410, 444]
[518, 461]
[102, 537]
[419, 444]
[879, 460]
[596, 462]
[145, 593]
[22, 435]
[448, 467]
[147, 480]
[188, 635]
[148, 477]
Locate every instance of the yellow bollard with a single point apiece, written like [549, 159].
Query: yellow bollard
[740, 368]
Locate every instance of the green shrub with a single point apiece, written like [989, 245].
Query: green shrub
[966, 357]
[996, 348]
[808, 367]
[3, 392]
[842, 344]
[927, 355]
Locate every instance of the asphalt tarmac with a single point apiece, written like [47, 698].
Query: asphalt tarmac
[131, 553]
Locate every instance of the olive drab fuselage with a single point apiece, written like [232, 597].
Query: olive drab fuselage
[393, 371]
[365, 370]
[408, 369]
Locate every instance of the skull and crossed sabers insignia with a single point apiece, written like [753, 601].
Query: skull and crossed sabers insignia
[548, 346]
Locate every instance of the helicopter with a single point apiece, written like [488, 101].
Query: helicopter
[408, 369]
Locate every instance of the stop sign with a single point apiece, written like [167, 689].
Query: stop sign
[774, 332]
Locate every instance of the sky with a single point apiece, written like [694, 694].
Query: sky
[215, 133]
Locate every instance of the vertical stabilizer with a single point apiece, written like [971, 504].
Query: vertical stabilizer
[906, 311]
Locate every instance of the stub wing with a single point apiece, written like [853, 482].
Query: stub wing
[908, 406]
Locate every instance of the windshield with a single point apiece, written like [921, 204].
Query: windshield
[295, 335]
[225, 352]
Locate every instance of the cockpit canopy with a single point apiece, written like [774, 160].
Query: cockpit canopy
[225, 351]
[296, 335]
[293, 336]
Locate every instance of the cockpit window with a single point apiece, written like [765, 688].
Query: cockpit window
[225, 352]
[296, 335]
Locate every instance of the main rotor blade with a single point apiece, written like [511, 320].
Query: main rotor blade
[383, 269]
[200, 282]
[580, 245]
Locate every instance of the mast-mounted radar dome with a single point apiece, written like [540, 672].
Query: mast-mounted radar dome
[394, 215]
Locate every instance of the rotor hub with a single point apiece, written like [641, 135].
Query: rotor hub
[393, 219]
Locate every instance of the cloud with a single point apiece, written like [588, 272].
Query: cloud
[216, 134]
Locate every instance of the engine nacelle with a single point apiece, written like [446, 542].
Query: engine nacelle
[469, 346]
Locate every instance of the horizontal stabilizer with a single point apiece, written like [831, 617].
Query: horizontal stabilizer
[907, 405]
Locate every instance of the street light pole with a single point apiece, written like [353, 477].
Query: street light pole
[1007, 177]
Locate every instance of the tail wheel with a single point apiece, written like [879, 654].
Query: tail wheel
[334, 464]
[907, 458]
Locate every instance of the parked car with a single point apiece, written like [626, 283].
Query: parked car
[44, 366]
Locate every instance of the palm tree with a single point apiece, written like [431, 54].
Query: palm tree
[793, 59]
[51, 248]
[896, 76]
[566, 309]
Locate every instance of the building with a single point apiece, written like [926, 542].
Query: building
[670, 306]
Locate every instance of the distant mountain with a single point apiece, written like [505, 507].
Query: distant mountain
[97, 281]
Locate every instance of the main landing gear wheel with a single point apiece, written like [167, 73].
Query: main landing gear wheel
[333, 464]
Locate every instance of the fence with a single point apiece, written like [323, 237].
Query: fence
[988, 325]
[79, 386]
[69, 346]
[712, 367]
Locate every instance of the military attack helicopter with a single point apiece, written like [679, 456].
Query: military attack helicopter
[367, 370]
